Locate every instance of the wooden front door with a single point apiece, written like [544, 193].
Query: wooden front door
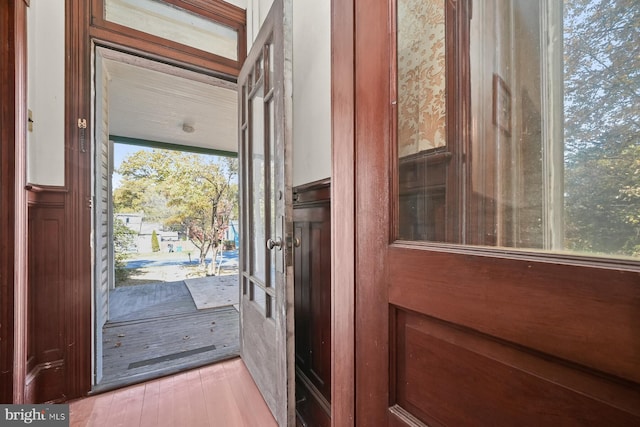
[475, 303]
[266, 307]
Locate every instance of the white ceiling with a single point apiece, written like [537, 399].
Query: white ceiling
[152, 101]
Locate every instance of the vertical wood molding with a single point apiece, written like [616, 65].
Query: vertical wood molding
[20, 225]
[372, 189]
[343, 213]
[7, 181]
[77, 202]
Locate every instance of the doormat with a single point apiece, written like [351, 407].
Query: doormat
[173, 356]
[214, 291]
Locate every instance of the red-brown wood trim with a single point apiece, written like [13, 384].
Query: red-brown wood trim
[7, 201]
[158, 47]
[343, 213]
[37, 188]
[46, 198]
[317, 192]
[179, 56]
[77, 262]
[372, 151]
[20, 226]
[222, 11]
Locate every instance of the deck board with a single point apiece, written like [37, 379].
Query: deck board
[150, 300]
[221, 394]
[159, 331]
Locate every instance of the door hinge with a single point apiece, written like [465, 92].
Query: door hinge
[82, 125]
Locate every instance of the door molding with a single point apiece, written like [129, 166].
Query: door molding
[13, 202]
[77, 262]
[343, 234]
[77, 265]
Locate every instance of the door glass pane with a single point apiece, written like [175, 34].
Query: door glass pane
[258, 186]
[422, 130]
[170, 22]
[272, 179]
[537, 145]
[260, 298]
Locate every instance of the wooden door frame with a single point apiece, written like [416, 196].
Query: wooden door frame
[78, 201]
[343, 199]
[80, 35]
[13, 201]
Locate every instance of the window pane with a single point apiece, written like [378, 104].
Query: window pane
[258, 186]
[260, 298]
[173, 23]
[275, 254]
[536, 146]
[421, 115]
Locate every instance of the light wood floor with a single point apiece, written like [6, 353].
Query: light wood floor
[222, 394]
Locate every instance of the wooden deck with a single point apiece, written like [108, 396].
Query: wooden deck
[157, 330]
[222, 394]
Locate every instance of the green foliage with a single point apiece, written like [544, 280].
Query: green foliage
[602, 124]
[123, 240]
[155, 244]
[192, 193]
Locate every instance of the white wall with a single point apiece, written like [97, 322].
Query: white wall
[311, 84]
[311, 91]
[46, 53]
[257, 11]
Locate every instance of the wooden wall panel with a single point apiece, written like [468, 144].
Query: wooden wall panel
[312, 282]
[47, 305]
[440, 369]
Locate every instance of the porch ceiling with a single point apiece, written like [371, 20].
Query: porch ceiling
[161, 103]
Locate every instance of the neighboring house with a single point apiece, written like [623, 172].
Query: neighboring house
[144, 230]
[231, 233]
[426, 123]
[131, 220]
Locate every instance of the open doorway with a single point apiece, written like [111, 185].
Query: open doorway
[161, 300]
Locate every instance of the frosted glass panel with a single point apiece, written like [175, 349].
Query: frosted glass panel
[173, 23]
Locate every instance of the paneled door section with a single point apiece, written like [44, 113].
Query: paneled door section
[266, 272]
[485, 293]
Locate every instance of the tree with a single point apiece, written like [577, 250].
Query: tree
[602, 124]
[200, 192]
[123, 239]
[155, 244]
